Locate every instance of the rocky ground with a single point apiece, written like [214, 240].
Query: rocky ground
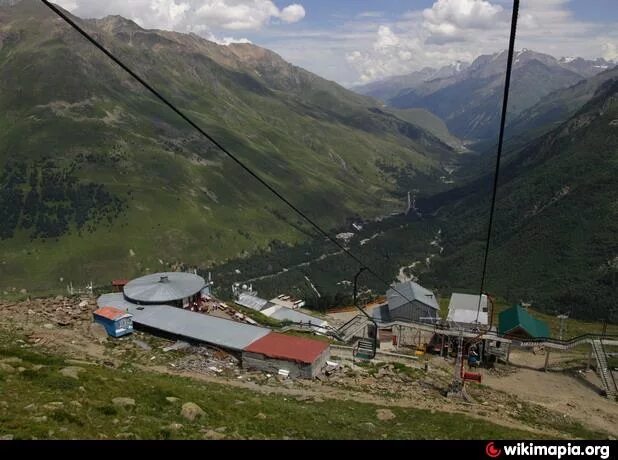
[557, 404]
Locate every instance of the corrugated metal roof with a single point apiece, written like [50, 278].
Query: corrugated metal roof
[111, 313]
[281, 346]
[251, 301]
[198, 326]
[516, 316]
[164, 287]
[404, 293]
[463, 308]
[287, 314]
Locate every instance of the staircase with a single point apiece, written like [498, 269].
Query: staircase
[365, 349]
[353, 328]
[605, 373]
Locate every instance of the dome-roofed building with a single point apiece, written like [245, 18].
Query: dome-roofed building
[171, 288]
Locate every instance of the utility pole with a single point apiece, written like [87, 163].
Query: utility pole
[563, 325]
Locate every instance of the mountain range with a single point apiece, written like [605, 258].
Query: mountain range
[100, 180]
[468, 98]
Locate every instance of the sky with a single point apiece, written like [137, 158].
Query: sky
[359, 41]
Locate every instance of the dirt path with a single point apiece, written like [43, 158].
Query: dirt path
[571, 393]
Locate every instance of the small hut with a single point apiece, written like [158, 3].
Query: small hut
[115, 321]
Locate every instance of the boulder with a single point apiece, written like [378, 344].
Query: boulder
[123, 402]
[7, 368]
[171, 399]
[72, 372]
[368, 426]
[191, 411]
[53, 405]
[261, 416]
[385, 414]
[214, 435]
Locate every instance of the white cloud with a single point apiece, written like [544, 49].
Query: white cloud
[461, 30]
[370, 14]
[610, 51]
[190, 15]
[450, 20]
[292, 13]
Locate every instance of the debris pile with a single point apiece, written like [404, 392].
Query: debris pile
[60, 311]
[207, 360]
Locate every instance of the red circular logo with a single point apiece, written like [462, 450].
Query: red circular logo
[492, 451]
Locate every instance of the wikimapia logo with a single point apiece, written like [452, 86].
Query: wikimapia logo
[558, 451]
[492, 451]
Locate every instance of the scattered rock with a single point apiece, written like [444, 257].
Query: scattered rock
[385, 414]
[123, 402]
[368, 425]
[40, 419]
[7, 368]
[83, 303]
[21, 369]
[143, 345]
[30, 407]
[75, 403]
[80, 362]
[261, 416]
[317, 399]
[519, 406]
[4, 404]
[11, 360]
[126, 436]
[175, 426]
[23, 291]
[171, 399]
[214, 435]
[53, 405]
[6, 437]
[48, 326]
[221, 429]
[37, 367]
[191, 411]
[72, 372]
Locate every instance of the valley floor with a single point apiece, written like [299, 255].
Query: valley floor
[60, 378]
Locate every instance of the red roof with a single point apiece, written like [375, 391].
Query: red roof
[111, 313]
[275, 345]
[120, 282]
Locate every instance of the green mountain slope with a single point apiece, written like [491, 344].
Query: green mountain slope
[100, 180]
[557, 107]
[556, 219]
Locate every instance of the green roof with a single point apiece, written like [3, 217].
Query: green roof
[517, 316]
